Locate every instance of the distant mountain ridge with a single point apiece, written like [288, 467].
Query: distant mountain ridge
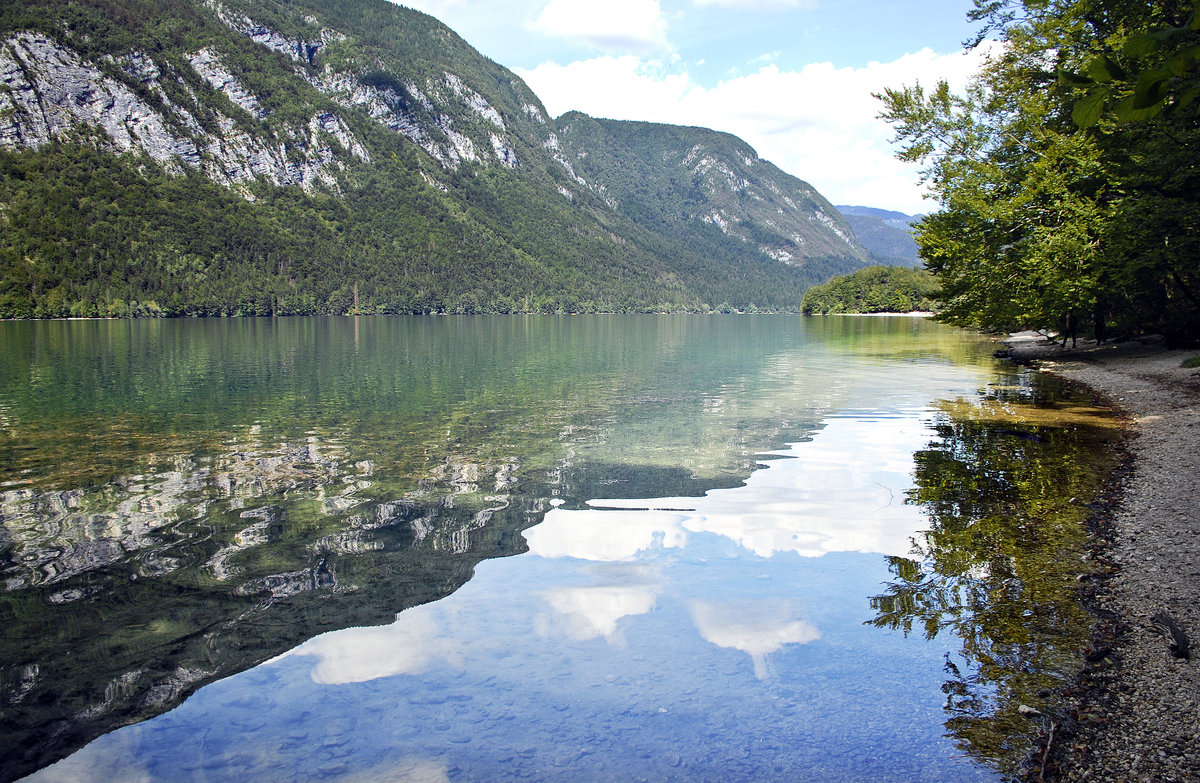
[708, 189]
[225, 157]
[885, 233]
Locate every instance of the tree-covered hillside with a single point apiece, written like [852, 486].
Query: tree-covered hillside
[887, 235]
[1068, 173]
[184, 157]
[710, 189]
[876, 289]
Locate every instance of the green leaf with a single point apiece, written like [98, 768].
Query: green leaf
[1103, 69]
[1088, 109]
[1140, 45]
[1072, 78]
[1187, 97]
[1151, 89]
[1177, 65]
[1166, 36]
[1183, 62]
[1126, 112]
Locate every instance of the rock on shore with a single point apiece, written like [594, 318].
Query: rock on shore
[1137, 705]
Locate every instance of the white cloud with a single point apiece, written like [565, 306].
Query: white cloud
[636, 26]
[624, 88]
[818, 123]
[767, 57]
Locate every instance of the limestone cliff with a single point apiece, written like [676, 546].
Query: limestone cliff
[690, 178]
[452, 189]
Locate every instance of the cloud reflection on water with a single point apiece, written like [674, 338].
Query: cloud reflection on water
[841, 492]
[756, 627]
[608, 535]
[409, 770]
[621, 590]
[408, 646]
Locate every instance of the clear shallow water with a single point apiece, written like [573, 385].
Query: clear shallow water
[697, 513]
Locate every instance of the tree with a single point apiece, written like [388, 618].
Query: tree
[1040, 218]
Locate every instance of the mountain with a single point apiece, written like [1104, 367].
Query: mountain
[708, 189]
[886, 234]
[226, 157]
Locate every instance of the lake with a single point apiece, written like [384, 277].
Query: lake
[537, 548]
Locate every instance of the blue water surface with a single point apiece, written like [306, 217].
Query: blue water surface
[718, 638]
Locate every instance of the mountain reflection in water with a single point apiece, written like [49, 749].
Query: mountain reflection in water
[657, 642]
[215, 494]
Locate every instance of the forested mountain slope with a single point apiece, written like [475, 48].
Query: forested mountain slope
[182, 157]
[886, 234]
[709, 189]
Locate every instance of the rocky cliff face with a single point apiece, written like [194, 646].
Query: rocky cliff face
[48, 90]
[695, 177]
[316, 95]
[424, 114]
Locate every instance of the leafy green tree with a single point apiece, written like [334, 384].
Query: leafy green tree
[1161, 74]
[1041, 219]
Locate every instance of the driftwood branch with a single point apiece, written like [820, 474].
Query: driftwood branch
[1046, 752]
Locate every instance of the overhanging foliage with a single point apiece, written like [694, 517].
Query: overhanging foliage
[1044, 222]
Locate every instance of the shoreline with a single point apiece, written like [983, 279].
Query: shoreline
[1133, 711]
[906, 314]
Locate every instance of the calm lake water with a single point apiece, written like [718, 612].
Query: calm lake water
[533, 548]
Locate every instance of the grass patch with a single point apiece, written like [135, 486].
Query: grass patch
[1192, 362]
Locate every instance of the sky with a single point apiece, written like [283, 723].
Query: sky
[791, 77]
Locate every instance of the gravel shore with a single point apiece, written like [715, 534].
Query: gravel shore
[1136, 706]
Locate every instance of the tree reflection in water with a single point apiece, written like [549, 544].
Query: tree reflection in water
[1006, 487]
